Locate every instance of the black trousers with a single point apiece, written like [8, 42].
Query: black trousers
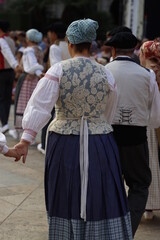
[6, 84]
[137, 174]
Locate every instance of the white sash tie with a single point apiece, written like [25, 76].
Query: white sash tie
[84, 164]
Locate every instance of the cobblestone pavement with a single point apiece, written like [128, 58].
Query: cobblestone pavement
[149, 229]
[22, 211]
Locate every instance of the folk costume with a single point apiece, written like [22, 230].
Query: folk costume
[84, 191]
[32, 61]
[150, 50]
[138, 107]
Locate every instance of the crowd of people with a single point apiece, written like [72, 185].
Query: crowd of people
[98, 106]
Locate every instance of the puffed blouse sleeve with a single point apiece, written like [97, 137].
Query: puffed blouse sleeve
[30, 63]
[41, 103]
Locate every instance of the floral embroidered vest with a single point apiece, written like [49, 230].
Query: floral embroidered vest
[83, 93]
[39, 54]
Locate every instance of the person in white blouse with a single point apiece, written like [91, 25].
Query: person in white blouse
[150, 58]
[32, 62]
[84, 189]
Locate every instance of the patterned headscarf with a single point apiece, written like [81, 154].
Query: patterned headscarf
[81, 31]
[151, 52]
[151, 49]
[34, 35]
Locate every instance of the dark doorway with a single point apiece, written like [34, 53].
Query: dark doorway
[152, 19]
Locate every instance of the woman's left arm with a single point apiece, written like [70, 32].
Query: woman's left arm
[39, 107]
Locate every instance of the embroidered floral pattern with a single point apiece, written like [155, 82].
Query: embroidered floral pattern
[83, 92]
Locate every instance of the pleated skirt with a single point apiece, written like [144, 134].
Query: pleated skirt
[26, 86]
[108, 216]
[153, 202]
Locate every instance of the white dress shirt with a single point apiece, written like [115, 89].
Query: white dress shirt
[58, 53]
[7, 53]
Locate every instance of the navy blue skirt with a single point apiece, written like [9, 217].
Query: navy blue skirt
[107, 209]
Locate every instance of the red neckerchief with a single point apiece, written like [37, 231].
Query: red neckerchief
[4, 35]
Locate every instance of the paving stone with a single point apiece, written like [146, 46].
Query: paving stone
[22, 211]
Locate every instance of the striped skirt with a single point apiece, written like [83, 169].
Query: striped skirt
[26, 85]
[107, 209]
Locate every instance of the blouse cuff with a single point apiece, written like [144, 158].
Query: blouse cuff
[28, 135]
[4, 149]
[15, 65]
[38, 72]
